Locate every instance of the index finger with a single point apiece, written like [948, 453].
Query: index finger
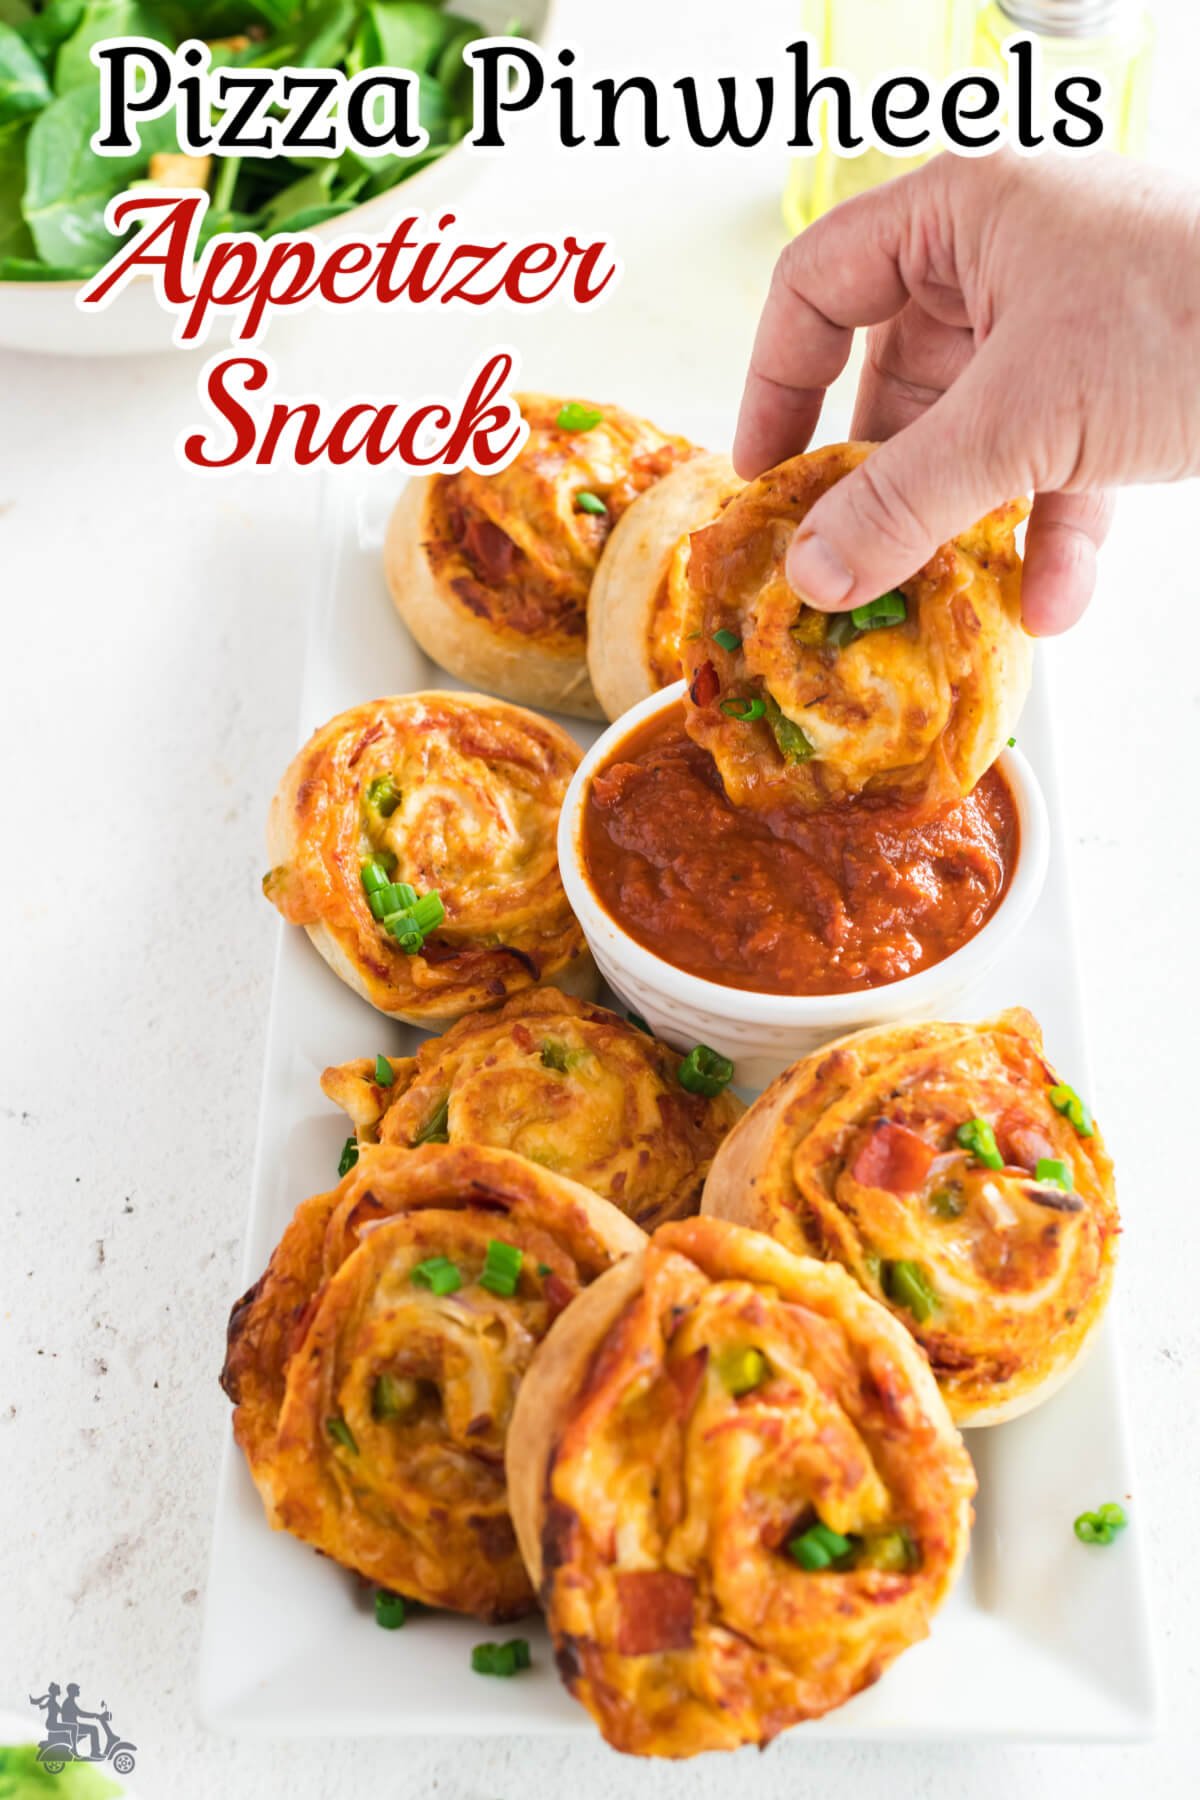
[842, 272]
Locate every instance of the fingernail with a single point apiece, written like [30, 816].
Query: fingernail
[817, 572]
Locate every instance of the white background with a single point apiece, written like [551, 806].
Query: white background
[149, 661]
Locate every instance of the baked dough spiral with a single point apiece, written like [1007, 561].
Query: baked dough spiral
[460, 796]
[813, 708]
[870, 1153]
[703, 1408]
[637, 611]
[571, 1086]
[373, 1401]
[491, 573]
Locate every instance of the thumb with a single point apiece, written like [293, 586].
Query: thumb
[883, 521]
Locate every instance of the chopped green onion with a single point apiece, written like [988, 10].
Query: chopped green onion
[501, 1659]
[893, 1551]
[818, 1547]
[978, 1137]
[574, 416]
[544, 1269]
[743, 708]
[702, 1071]
[389, 1610]
[555, 1056]
[393, 1397]
[728, 640]
[436, 1129]
[638, 1023]
[793, 745]
[1053, 1172]
[946, 1204]
[890, 609]
[438, 1274]
[905, 1285]
[741, 1371]
[501, 1267]
[349, 1156]
[590, 503]
[392, 897]
[384, 1073]
[841, 630]
[1065, 1100]
[1012, 743]
[689, 637]
[341, 1433]
[1101, 1526]
[374, 875]
[383, 796]
[411, 920]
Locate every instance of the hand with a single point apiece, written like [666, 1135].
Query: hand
[1035, 326]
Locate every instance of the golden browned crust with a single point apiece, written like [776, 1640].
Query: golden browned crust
[491, 573]
[571, 1086]
[640, 594]
[481, 785]
[654, 1494]
[371, 1409]
[920, 708]
[852, 1155]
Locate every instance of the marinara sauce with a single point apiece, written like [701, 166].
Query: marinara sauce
[786, 901]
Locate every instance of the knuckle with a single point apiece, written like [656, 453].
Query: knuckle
[884, 510]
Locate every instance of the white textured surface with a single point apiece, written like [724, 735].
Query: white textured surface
[148, 669]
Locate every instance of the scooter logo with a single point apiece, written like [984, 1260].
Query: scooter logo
[75, 1735]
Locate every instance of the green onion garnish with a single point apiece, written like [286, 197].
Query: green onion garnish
[590, 503]
[393, 1397]
[1065, 1100]
[638, 1023]
[1053, 1173]
[946, 1204]
[438, 1274]
[501, 1659]
[501, 1268]
[818, 1547]
[349, 1156]
[384, 1073]
[905, 1285]
[791, 741]
[743, 708]
[702, 1071]
[383, 796]
[841, 630]
[892, 1551]
[1012, 743]
[389, 1610]
[392, 897]
[728, 640]
[1101, 1526]
[555, 1056]
[978, 1137]
[406, 918]
[374, 875]
[890, 609]
[574, 416]
[341, 1433]
[436, 1129]
[741, 1371]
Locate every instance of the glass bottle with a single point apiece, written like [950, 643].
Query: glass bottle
[1109, 38]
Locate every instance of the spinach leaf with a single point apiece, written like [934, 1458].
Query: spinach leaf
[406, 34]
[24, 88]
[15, 12]
[48, 28]
[73, 66]
[15, 239]
[67, 187]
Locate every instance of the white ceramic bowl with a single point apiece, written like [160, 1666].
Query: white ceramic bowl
[763, 1034]
[43, 316]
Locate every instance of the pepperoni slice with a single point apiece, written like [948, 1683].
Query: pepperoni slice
[893, 1158]
[656, 1612]
[706, 685]
[491, 550]
[1021, 1141]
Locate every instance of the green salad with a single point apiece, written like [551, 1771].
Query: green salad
[54, 190]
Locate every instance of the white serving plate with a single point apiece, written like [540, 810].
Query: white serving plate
[1044, 1638]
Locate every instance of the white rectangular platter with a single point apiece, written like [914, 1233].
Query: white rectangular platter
[1044, 1638]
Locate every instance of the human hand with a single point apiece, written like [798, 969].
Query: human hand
[1035, 326]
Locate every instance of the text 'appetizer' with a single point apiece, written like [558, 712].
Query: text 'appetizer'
[414, 839]
[913, 694]
[961, 1183]
[375, 1364]
[571, 1086]
[491, 573]
[737, 1489]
